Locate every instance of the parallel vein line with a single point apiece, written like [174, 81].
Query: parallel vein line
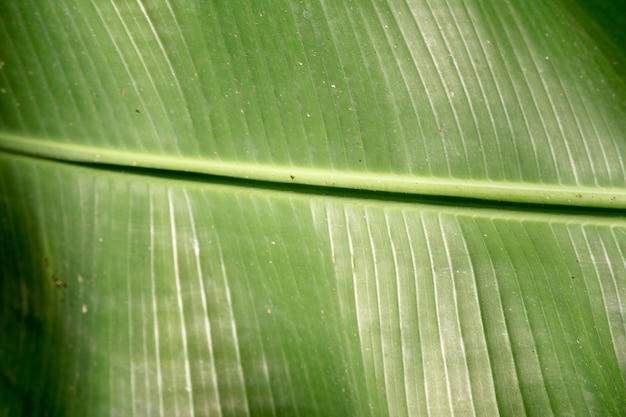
[155, 313]
[207, 323]
[179, 296]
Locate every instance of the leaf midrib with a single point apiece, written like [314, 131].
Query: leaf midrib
[490, 191]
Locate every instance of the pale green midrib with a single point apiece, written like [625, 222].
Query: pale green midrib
[526, 193]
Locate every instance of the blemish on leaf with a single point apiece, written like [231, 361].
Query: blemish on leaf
[579, 196]
[137, 111]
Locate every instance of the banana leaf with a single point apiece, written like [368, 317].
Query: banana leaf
[312, 208]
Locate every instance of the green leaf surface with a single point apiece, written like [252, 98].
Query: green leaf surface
[312, 208]
[407, 94]
[188, 298]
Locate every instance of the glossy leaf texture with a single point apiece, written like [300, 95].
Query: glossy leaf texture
[178, 297]
[467, 98]
[312, 208]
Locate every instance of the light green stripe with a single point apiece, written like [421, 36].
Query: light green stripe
[497, 191]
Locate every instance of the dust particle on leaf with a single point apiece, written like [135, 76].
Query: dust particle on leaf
[57, 281]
